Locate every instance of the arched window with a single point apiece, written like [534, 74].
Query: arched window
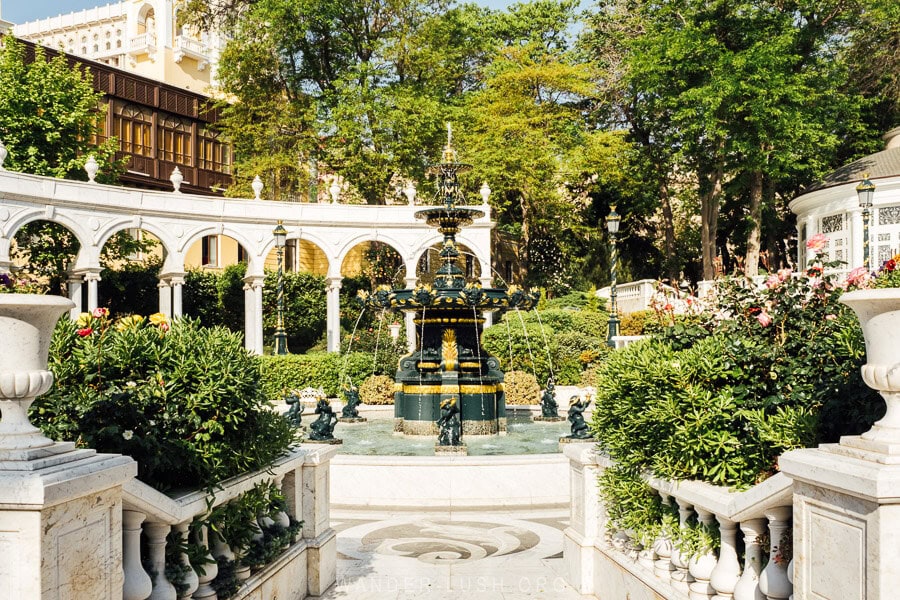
[214, 155]
[174, 140]
[133, 126]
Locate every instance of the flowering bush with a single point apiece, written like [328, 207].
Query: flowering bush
[12, 285]
[182, 400]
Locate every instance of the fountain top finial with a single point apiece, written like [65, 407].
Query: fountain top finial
[449, 152]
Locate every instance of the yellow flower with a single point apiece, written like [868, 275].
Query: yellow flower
[132, 321]
[158, 319]
[83, 319]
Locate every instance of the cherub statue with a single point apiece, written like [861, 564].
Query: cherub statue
[351, 401]
[577, 405]
[295, 412]
[323, 427]
[549, 407]
[448, 423]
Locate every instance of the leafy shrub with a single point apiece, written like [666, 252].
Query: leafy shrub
[131, 290]
[327, 370]
[771, 369]
[640, 322]
[376, 341]
[548, 342]
[377, 389]
[184, 401]
[520, 387]
[304, 308]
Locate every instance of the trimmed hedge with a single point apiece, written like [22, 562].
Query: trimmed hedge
[521, 388]
[316, 369]
[377, 389]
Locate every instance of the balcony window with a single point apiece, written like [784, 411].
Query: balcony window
[210, 251]
[132, 125]
[214, 155]
[174, 137]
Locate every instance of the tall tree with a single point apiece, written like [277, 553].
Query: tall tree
[50, 116]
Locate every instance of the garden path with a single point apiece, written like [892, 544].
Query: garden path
[477, 555]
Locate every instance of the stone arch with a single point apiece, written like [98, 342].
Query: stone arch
[428, 260]
[88, 254]
[252, 256]
[354, 259]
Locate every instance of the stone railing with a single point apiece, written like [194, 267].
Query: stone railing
[305, 567]
[638, 295]
[609, 564]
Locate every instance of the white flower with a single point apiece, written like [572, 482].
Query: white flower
[128, 434]
[131, 384]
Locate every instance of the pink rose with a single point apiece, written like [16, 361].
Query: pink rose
[784, 274]
[830, 317]
[858, 277]
[817, 243]
[764, 319]
[773, 281]
[100, 312]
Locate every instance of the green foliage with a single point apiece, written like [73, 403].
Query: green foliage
[520, 387]
[184, 401]
[376, 340]
[304, 308]
[279, 374]
[130, 290]
[545, 342]
[639, 322]
[377, 389]
[774, 369]
[49, 115]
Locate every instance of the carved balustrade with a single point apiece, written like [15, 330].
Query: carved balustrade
[753, 525]
[149, 516]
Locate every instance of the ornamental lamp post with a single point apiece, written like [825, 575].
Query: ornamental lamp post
[612, 226]
[280, 234]
[865, 191]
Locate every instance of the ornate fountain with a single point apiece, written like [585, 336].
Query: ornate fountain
[450, 367]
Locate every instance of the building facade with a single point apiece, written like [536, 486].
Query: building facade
[831, 207]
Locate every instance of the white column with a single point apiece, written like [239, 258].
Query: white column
[333, 318]
[728, 569]
[74, 280]
[156, 549]
[747, 587]
[165, 298]
[191, 579]
[702, 566]
[177, 282]
[409, 318]
[663, 548]
[257, 285]
[773, 582]
[210, 569]
[92, 278]
[138, 585]
[249, 319]
[681, 578]
[856, 240]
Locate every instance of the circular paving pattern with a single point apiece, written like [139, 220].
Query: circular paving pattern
[441, 541]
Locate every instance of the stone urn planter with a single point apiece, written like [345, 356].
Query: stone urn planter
[26, 324]
[878, 312]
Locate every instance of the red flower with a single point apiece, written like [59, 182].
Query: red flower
[85, 332]
[890, 265]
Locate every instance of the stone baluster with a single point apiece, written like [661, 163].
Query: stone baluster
[156, 549]
[191, 579]
[281, 517]
[773, 582]
[681, 578]
[662, 547]
[701, 566]
[728, 570]
[747, 587]
[646, 556]
[210, 569]
[222, 551]
[137, 584]
[790, 576]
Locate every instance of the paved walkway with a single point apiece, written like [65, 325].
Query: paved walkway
[493, 555]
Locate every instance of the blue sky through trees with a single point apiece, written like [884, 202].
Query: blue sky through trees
[21, 11]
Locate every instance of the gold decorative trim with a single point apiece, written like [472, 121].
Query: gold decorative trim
[449, 389]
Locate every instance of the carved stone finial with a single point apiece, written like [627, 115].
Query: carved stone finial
[91, 166]
[176, 178]
[257, 187]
